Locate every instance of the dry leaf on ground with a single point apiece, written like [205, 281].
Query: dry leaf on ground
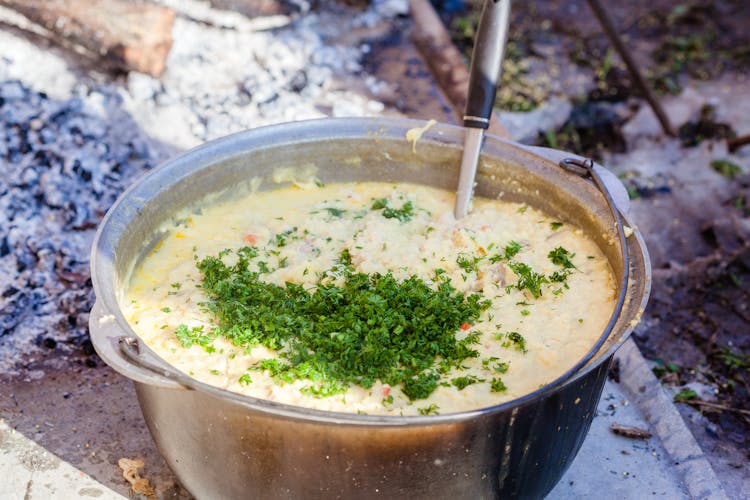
[138, 484]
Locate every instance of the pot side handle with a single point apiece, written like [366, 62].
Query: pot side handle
[613, 184]
[124, 354]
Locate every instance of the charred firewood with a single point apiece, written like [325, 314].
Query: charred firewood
[131, 35]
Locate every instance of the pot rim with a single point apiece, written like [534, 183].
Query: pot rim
[218, 150]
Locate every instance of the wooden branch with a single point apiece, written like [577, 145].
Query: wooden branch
[735, 143]
[715, 406]
[132, 35]
[444, 59]
[629, 432]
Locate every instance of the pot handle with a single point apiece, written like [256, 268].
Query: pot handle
[611, 182]
[126, 355]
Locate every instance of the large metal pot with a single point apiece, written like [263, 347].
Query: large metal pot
[225, 445]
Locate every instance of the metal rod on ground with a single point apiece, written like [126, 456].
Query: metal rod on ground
[627, 58]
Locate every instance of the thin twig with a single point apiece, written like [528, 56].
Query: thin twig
[735, 143]
[627, 58]
[716, 406]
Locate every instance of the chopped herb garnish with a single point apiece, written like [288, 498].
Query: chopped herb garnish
[362, 328]
[195, 335]
[468, 262]
[561, 257]
[176, 285]
[461, 383]
[555, 225]
[528, 279]
[403, 214]
[247, 252]
[429, 410]
[273, 366]
[166, 309]
[518, 340]
[513, 339]
[497, 385]
[245, 379]
[280, 239]
[560, 277]
[335, 212]
[525, 312]
[501, 367]
[511, 249]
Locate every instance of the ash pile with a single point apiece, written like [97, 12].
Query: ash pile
[65, 164]
[73, 138]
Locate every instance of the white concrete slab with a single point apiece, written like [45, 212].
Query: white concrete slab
[29, 472]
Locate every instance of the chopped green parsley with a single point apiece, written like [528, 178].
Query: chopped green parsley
[461, 383]
[510, 251]
[403, 214]
[335, 212]
[528, 279]
[513, 339]
[561, 257]
[429, 410]
[468, 262]
[497, 385]
[356, 330]
[194, 336]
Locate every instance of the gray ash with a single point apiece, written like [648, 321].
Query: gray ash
[64, 163]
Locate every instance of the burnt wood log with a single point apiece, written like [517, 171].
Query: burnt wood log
[130, 35]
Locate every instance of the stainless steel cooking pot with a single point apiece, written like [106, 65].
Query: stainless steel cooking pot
[225, 445]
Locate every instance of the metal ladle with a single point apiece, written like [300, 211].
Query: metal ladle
[486, 61]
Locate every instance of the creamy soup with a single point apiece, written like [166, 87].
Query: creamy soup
[371, 298]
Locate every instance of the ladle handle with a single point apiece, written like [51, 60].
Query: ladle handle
[486, 62]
